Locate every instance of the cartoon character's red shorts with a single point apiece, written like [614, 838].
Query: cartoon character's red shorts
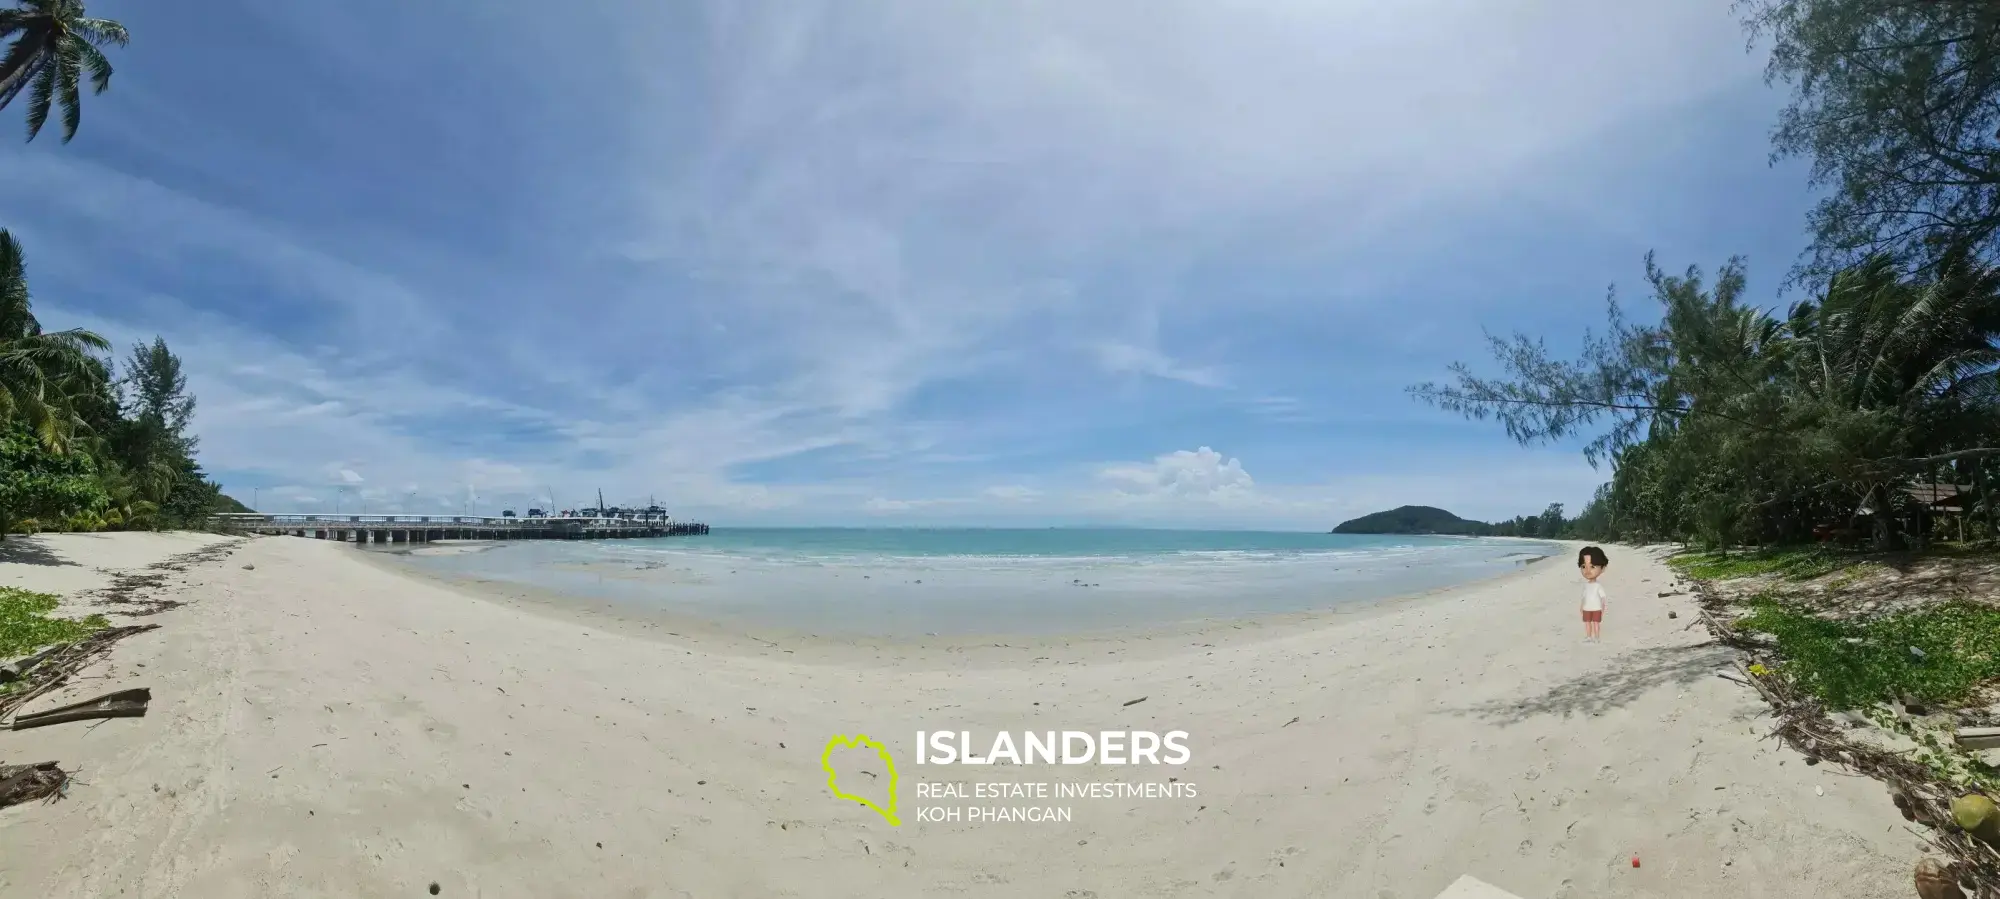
[1594, 617]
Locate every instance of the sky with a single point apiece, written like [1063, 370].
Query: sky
[1164, 263]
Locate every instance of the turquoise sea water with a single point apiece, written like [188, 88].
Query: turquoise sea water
[965, 581]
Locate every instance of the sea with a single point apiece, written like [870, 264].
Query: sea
[909, 582]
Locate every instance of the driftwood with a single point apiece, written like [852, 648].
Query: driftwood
[1979, 737]
[57, 666]
[122, 704]
[27, 783]
[1804, 725]
[12, 671]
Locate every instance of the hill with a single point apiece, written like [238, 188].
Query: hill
[226, 503]
[1414, 520]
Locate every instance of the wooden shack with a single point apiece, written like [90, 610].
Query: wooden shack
[1932, 500]
[1917, 505]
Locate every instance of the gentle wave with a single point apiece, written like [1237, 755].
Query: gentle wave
[913, 581]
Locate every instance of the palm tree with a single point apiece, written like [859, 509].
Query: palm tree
[39, 372]
[128, 508]
[1890, 370]
[54, 45]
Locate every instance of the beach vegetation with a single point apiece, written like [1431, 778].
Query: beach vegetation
[1726, 424]
[1798, 563]
[87, 443]
[1934, 745]
[56, 46]
[43, 374]
[1938, 655]
[40, 484]
[27, 625]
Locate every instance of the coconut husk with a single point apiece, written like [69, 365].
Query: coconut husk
[27, 783]
[1935, 881]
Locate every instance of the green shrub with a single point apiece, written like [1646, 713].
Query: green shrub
[1849, 664]
[25, 625]
[1797, 564]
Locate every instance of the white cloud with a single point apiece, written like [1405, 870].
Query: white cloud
[1202, 473]
[350, 476]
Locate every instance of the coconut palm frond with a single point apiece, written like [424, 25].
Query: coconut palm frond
[55, 47]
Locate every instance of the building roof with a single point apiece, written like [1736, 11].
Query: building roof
[1936, 493]
[1939, 497]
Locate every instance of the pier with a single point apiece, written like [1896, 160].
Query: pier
[365, 529]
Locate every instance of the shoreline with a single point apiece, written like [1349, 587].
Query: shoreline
[323, 723]
[742, 638]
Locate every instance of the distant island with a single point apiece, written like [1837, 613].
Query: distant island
[1415, 520]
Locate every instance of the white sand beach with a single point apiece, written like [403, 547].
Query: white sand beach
[325, 726]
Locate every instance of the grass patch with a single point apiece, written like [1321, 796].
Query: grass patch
[25, 625]
[1854, 574]
[1799, 564]
[1852, 663]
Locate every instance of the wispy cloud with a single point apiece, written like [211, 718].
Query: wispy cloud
[795, 261]
[1124, 358]
[1282, 409]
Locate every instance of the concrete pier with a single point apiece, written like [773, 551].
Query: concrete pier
[364, 529]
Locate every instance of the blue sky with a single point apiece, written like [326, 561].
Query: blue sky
[1158, 263]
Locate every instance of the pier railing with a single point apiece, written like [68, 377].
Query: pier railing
[327, 518]
[424, 528]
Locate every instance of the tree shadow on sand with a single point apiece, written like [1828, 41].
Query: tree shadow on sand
[24, 551]
[1617, 685]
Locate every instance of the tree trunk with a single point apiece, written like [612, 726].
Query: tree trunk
[1979, 476]
[1884, 523]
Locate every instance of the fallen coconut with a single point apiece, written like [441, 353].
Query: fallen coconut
[1979, 817]
[1934, 881]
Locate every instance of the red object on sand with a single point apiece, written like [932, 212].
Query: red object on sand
[1635, 861]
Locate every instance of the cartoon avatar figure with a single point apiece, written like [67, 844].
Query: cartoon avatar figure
[1591, 561]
